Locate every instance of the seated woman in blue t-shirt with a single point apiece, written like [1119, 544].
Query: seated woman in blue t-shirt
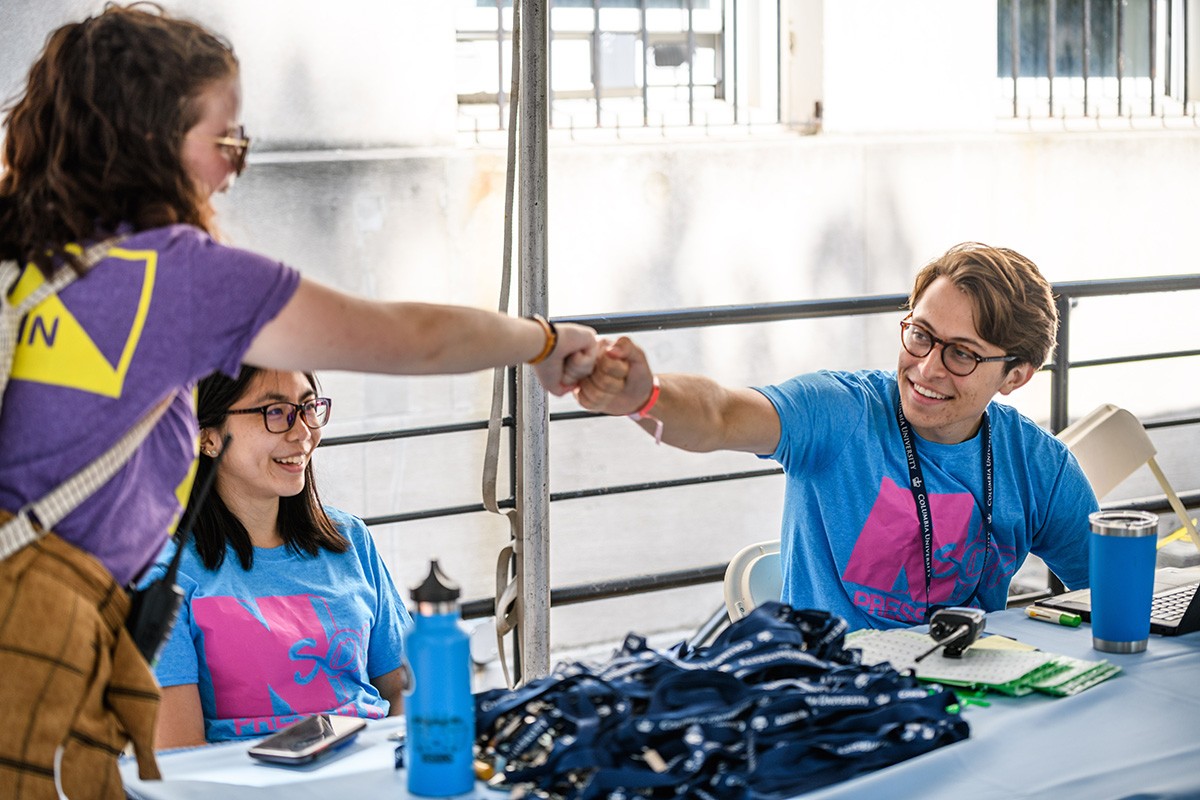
[288, 608]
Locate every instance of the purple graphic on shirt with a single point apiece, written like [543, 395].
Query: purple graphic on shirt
[281, 654]
[886, 570]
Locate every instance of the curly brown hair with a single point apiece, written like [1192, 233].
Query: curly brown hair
[1014, 305]
[96, 137]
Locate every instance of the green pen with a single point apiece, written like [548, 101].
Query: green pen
[1058, 617]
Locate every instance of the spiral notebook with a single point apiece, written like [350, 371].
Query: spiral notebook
[1012, 672]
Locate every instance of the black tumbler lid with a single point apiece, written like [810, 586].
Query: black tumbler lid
[436, 588]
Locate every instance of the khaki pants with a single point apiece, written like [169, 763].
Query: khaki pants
[70, 677]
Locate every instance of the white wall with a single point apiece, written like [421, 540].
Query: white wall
[893, 65]
[355, 73]
[315, 74]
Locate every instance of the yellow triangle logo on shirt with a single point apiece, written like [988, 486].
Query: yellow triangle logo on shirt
[55, 349]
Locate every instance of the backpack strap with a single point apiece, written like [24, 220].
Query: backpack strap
[11, 316]
[20, 530]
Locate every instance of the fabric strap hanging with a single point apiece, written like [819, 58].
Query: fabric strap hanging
[507, 608]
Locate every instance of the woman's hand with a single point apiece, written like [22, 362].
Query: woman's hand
[572, 359]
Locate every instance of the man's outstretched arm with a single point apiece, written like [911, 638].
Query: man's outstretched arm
[697, 413]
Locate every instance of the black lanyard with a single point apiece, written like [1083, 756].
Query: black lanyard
[916, 483]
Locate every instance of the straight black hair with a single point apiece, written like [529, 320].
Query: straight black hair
[303, 523]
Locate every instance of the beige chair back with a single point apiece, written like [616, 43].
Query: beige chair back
[1111, 444]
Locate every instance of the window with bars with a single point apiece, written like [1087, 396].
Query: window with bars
[1094, 58]
[629, 63]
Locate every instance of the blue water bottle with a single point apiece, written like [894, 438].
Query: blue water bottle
[438, 707]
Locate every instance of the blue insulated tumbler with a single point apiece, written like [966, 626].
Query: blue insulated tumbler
[438, 707]
[1121, 556]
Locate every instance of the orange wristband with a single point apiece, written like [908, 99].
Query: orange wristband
[551, 338]
[644, 411]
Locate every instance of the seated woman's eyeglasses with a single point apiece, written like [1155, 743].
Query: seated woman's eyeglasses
[959, 360]
[280, 417]
[236, 145]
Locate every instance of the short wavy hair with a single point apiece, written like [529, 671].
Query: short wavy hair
[95, 139]
[1013, 303]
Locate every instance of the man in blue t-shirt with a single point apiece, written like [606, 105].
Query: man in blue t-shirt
[905, 490]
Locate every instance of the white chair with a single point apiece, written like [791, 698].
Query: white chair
[752, 577]
[1110, 444]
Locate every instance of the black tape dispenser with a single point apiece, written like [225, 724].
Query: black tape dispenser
[954, 629]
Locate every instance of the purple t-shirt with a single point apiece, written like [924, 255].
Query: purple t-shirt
[167, 307]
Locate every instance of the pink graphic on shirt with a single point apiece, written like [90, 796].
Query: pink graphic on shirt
[887, 566]
[257, 662]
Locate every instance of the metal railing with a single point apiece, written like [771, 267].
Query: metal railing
[606, 324]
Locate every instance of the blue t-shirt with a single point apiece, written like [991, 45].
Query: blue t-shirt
[294, 635]
[851, 541]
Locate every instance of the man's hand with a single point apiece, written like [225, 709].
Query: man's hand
[621, 381]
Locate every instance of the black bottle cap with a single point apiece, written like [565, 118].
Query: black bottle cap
[436, 588]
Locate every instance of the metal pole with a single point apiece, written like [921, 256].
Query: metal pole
[778, 61]
[645, 68]
[500, 62]
[1014, 49]
[1187, 49]
[1153, 6]
[1169, 51]
[1051, 47]
[596, 88]
[532, 417]
[1120, 4]
[1087, 50]
[1062, 365]
[691, 45]
[550, 65]
[734, 37]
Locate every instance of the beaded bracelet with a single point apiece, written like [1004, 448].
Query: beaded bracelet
[551, 338]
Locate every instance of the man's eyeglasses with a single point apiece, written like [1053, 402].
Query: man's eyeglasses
[959, 360]
[235, 147]
[280, 417]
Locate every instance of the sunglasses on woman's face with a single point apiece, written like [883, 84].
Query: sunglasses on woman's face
[235, 146]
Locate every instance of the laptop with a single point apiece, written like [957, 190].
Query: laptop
[1175, 609]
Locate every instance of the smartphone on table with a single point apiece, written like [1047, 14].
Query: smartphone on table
[307, 740]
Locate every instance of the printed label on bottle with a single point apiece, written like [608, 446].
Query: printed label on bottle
[437, 740]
